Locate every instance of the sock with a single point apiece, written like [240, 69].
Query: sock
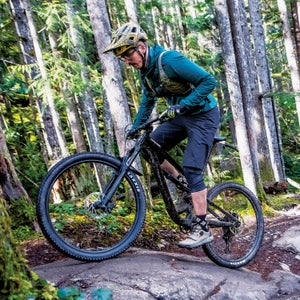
[202, 222]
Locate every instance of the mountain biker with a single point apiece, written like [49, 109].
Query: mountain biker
[193, 112]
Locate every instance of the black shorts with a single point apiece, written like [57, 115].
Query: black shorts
[200, 129]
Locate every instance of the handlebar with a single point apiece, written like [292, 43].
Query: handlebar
[163, 117]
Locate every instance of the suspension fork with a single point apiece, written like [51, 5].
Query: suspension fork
[104, 200]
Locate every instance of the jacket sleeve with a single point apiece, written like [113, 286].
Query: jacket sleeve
[180, 68]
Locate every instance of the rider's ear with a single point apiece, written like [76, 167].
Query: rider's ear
[143, 47]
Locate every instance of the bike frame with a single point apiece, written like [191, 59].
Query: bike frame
[152, 150]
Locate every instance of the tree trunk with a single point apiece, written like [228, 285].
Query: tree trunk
[167, 10]
[86, 102]
[72, 112]
[248, 84]
[131, 11]
[291, 57]
[235, 93]
[296, 28]
[27, 49]
[269, 107]
[11, 187]
[180, 14]
[111, 75]
[47, 89]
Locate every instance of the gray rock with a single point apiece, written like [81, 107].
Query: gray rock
[147, 275]
[290, 239]
[139, 274]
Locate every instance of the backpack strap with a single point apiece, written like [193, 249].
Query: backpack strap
[172, 86]
[162, 73]
[166, 84]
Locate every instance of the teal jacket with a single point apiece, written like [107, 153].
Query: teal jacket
[178, 68]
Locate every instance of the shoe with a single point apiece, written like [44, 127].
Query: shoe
[197, 238]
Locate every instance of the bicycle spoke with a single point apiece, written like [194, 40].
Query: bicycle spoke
[236, 222]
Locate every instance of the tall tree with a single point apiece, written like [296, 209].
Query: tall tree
[48, 96]
[248, 83]
[265, 87]
[295, 7]
[235, 93]
[291, 57]
[71, 107]
[28, 57]
[111, 73]
[86, 101]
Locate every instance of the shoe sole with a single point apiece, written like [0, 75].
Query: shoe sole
[196, 245]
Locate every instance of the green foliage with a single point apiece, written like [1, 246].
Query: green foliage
[24, 145]
[292, 165]
[281, 202]
[157, 221]
[12, 84]
[22, 219]
[288, 120]
[290, 133]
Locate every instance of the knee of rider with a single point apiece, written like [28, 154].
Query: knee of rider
[195, 179]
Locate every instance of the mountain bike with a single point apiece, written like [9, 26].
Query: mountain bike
[92, 206]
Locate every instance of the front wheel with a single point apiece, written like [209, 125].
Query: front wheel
[236, 221]
[68, 218]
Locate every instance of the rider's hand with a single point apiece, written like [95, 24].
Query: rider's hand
[173, 110]
[131, 134]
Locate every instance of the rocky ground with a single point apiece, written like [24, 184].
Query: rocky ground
[271, 256]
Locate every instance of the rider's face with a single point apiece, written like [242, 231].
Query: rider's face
[132, 57]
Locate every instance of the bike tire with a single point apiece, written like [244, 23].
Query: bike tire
[63, 207]
[236, 245]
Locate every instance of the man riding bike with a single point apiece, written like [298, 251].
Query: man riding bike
[192, 109]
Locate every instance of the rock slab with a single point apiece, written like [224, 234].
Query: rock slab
[139, 274]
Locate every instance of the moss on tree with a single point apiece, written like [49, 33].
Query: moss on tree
[17, 281]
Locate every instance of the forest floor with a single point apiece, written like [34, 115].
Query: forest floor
[268, 259]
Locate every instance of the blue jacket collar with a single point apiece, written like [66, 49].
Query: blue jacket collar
[153, 54]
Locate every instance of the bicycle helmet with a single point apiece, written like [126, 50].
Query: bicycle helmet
[126, 37]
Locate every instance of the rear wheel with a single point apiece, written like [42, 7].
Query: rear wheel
[237, 224]
[65, 202]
